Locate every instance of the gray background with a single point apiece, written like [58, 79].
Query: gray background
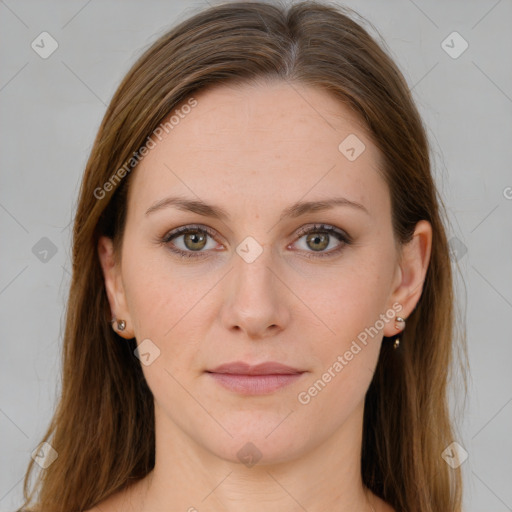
[50, 112]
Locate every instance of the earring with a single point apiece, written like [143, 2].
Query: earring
[121, 324]
[400, 320]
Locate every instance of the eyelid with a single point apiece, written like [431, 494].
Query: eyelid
[308, 228]
[189, 227]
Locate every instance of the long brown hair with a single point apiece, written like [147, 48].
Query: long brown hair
[103, 427]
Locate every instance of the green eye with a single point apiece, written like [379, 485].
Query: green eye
[319, 237]
[194, 241]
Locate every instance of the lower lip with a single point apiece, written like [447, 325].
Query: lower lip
[254, 384]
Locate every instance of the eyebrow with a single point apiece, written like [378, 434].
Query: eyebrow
[296, 210]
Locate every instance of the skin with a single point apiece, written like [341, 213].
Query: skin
[254, 150]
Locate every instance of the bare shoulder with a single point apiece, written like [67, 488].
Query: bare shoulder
[110, 504]
[121, 501]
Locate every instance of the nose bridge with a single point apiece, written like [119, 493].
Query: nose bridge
[253, 275]
[256, 300]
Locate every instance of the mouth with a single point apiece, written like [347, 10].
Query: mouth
[245, 379]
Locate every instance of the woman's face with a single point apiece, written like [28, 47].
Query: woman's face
[269, 270]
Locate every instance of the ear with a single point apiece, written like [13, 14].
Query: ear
[114, 286]
[410, 273]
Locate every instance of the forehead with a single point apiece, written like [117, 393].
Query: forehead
[267, 140]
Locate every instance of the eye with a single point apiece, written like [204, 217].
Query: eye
[189, 241]
[320, 237]
[193, 241]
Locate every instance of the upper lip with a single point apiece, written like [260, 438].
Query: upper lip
[269, 368]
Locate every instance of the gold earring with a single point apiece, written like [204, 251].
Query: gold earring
[400, 320]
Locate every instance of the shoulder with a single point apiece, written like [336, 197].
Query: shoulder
[110, 504]
[120, 501]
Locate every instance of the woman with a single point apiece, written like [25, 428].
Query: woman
[261, 310]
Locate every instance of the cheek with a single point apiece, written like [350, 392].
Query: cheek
[348, 351]
[158, 292]
[168, 304]
[351, 297]
[351, 307]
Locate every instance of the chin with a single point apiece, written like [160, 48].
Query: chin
[256, 444]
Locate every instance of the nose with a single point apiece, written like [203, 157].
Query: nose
[256, 300]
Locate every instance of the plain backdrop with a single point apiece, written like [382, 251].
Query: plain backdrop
[51, 109]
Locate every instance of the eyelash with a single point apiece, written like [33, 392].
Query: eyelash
[323, 228]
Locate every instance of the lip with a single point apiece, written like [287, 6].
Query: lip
[259, 379]
[268, 368]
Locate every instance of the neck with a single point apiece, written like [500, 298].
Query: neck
[188, 477]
